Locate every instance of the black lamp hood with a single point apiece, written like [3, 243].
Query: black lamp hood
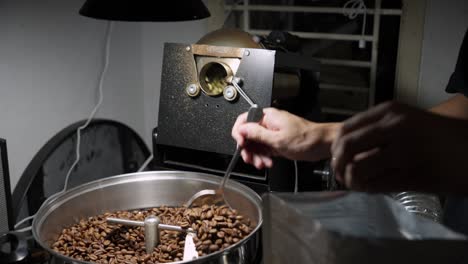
[145, 10]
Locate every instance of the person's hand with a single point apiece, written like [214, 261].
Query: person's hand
[395, 147]
[280, 133]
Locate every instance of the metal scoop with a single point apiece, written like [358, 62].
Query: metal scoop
[209, 196]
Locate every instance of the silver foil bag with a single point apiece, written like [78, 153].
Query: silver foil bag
[348, 227]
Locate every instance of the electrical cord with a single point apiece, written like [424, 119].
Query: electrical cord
[17, 225]
[296, 177]
[96, 107]
[145, 164]
[25, 229]
[82, 127]
[352, 9]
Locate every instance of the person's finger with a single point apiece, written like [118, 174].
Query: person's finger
[257, 148]
[349, 180]
[364, 183]
[246, 156]
[364, 167]
[362, 157]
[368, 117]
[249, 158]
[241, 119]
[257, 161]
[267, 161]
[352, 182]
[362, 140]
[270, 111]
[272, 117]
[256, 133]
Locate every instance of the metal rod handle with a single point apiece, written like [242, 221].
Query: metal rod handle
[172, 228]
[120, 221]
[235, 83]
[126, 222]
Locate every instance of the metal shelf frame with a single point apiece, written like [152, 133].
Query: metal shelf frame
[245, 8]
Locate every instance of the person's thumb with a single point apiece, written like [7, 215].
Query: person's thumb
[257, 133]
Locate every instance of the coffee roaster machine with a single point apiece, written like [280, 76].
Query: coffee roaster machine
[198, 104]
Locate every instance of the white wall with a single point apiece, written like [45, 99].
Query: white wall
[50, 58]
[446, 23]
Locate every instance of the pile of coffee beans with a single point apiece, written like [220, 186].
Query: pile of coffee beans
[94, 240]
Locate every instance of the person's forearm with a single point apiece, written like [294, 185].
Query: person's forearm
[331, 131]
[455, 107]
[321, 137]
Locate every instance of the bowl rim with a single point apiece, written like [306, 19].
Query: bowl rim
[54, 201]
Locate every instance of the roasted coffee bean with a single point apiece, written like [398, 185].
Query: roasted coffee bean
[228, 231]
[219, 218]
[220, 234]
[214, 248]
[209, 214]
[222, 224]
[245, 229]
[93, 239]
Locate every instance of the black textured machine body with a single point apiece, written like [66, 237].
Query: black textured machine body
[205, 122]
[195, 120]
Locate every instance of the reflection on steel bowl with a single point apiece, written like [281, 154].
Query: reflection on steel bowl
[163, 190]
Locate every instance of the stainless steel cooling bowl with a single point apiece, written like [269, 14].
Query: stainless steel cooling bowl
[144, 190]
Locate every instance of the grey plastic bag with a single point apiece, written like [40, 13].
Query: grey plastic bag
[348, 227]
